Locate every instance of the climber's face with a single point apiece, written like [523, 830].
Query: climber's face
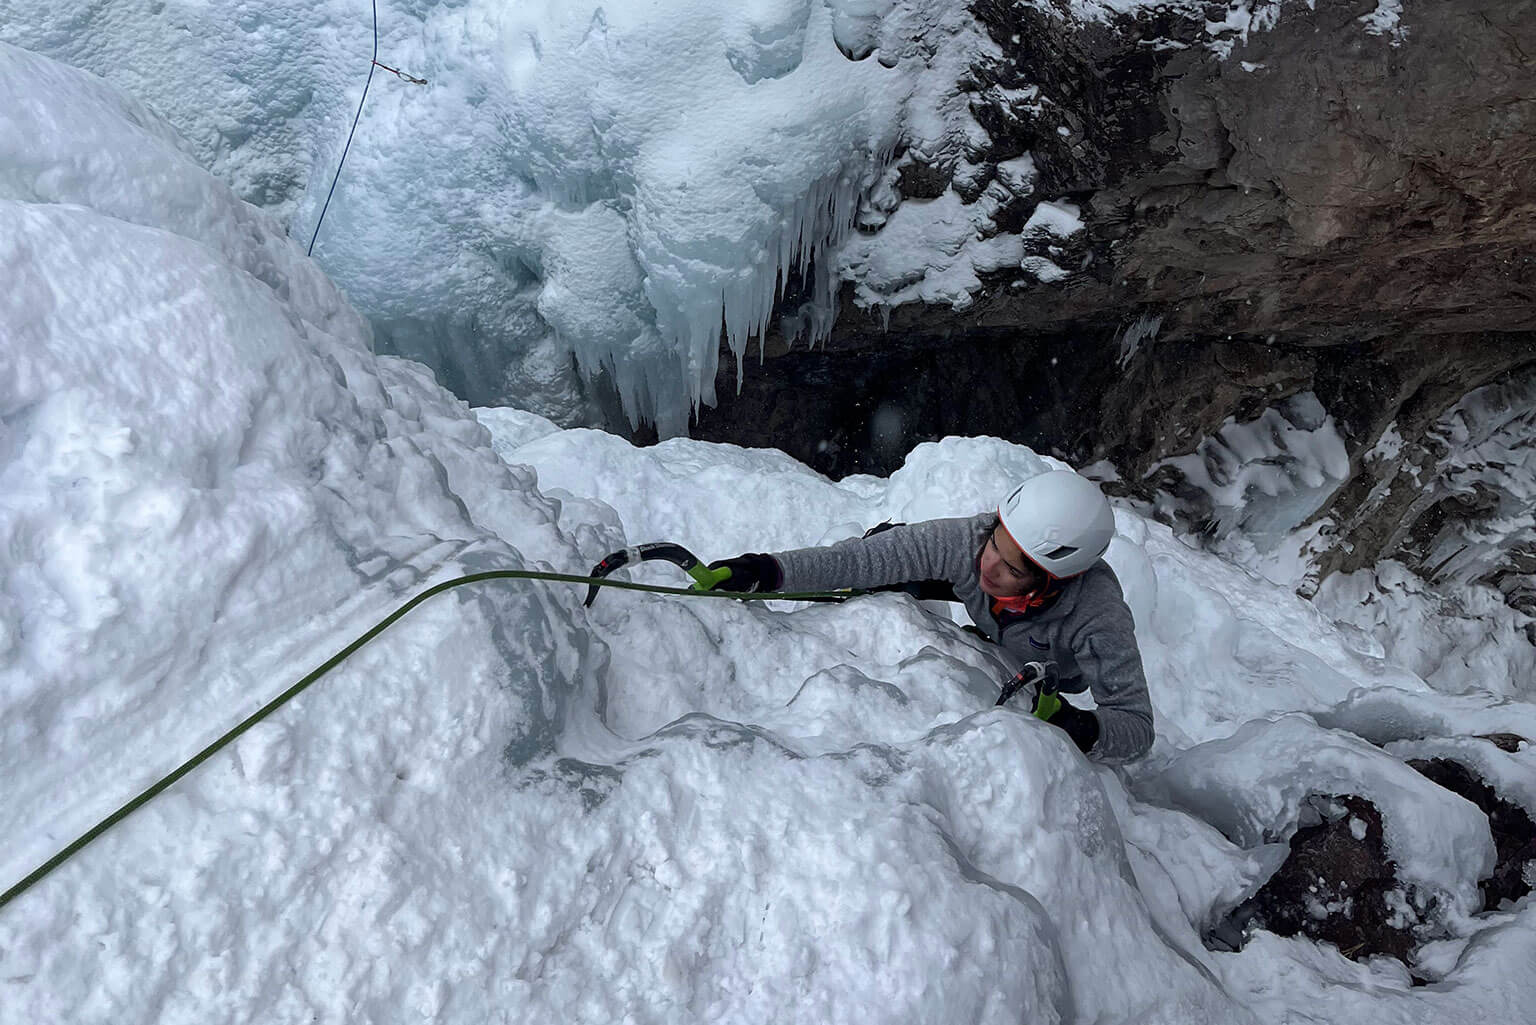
[1006, 571]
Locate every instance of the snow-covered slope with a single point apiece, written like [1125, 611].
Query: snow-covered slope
[206, 480]
[1239, 668]
[509, 809]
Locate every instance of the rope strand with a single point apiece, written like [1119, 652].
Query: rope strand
[355, 118]
[373, 63]
[162, 784]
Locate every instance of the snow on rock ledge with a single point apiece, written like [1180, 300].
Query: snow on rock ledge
[1252, 787]
[1383, 714]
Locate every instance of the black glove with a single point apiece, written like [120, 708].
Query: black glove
[751, 572]
[1078, 723]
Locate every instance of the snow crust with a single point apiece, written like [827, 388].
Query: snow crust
[509, 808]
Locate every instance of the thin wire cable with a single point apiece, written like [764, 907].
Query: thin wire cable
[374, 63]
[335, 660]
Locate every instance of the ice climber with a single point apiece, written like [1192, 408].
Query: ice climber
[1032, 577]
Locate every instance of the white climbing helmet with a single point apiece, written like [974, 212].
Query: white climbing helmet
[1060, 520]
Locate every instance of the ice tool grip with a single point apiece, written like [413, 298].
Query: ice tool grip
[704, 579]
[1047, 704]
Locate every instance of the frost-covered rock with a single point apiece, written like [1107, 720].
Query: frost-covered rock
[1265, 477]
[1254, 787]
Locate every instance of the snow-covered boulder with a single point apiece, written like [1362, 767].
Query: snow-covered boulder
[1254, 787]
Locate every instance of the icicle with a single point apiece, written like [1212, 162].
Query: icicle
[742, 303]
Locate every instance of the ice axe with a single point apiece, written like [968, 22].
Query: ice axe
[1047, 703]
[704, 578]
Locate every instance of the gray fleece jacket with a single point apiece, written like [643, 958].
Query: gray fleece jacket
[1088, 632]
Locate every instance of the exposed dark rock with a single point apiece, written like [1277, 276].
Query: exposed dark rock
[1514, 834]
[1323, 210]
[919, 180]
[1504, 741]
[1338, 886]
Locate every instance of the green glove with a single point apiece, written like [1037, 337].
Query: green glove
[1078, 723]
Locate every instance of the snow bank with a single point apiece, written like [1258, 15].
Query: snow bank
[192, 426]
[699, 883]
[207, 484]
[1489, 981]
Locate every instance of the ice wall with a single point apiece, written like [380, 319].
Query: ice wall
[590, 188]
[619, 183]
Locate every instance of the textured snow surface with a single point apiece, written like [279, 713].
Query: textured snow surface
[511, 809]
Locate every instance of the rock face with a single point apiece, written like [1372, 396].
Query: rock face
[1319, 199]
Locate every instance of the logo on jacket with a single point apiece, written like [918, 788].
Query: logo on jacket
[1038, 646]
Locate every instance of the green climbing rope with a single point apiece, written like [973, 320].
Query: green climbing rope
[341, 656]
